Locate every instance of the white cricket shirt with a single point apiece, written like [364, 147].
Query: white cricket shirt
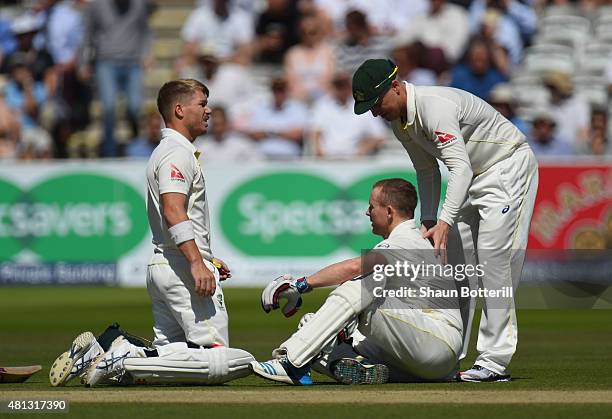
[461, 130]
[406, 244]
[174, 167]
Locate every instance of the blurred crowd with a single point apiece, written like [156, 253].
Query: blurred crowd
[73, 69]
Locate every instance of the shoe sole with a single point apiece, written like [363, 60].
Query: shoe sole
[87, 377]
[59, 374]
[498, 379]
[351, 371]
[277, 378]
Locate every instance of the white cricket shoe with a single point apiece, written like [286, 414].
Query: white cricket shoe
[75, 361]
[107, 368]
[282, 371]
[479, 374]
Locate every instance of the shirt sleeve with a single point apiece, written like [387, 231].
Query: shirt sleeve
[383, 245]
[175, 172]
[441, 124]
[428, 179]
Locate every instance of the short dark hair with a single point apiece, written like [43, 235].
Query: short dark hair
[357, 18]
[399, 194]
[177, 91]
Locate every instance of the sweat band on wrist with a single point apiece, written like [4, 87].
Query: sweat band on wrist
[302, 285]
[181, 232]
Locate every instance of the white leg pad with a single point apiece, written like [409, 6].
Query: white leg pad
[344, 303]
[179, 364]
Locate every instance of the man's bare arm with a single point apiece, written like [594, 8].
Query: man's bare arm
[173, 211]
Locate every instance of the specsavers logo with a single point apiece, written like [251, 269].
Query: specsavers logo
[298, 214]
[73, 218]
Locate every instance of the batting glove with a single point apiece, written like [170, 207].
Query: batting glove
[284, 288]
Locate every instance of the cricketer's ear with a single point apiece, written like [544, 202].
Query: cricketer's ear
[178, 111]
[395, 85]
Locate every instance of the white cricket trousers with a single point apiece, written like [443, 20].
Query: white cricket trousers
[415, 344]
[179, 313]
[492, 229]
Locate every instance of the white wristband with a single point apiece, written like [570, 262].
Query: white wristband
[181, 232]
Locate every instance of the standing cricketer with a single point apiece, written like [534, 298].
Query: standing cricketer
[490, 194]
[191, 323]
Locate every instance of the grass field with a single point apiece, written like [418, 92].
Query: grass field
[562, 368]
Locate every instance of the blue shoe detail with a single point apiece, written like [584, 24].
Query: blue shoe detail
[301, 375]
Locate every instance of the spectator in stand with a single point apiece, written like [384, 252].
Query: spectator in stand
[37, 59]
[598, 143]
[521, 15]
[502, 99]
[387, 17]
[225, 80]
[310, 65]
[10, 129]
[410, 68]
[514, 23]
[64, 37]
[222, 143]
[228, 31]
[335, 129]
[23, 92]
[500, 54]
[143, 146]
[26, 96]
[359, 43]
[544, 140]
[118, 33]
[276, 30]
[571, 112]
[476, 74]
[279, 126]
[445, 27]
[8, 42]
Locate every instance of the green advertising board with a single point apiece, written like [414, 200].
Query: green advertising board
[73, 217]
[297, 213]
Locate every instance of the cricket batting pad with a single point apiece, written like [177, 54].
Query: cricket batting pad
[178, 364]
[342, 305]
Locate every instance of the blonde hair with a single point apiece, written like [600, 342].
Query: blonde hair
[176, 91]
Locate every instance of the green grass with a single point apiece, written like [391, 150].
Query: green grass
[558, 350]
[337, 411]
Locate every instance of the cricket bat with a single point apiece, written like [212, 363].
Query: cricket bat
[18, 374]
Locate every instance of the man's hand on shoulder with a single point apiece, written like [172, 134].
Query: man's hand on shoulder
[426, 225]
[439, 235]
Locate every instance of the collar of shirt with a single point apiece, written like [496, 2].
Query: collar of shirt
[173, 135]
[410, 105]
[408, 224]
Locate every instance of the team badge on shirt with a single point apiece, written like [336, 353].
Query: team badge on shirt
[444, 137]
[175, 174]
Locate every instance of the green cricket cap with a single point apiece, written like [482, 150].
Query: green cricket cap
[370, 81]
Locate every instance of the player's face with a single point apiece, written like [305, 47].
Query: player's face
[196, 113]
[377, 214]
[389, 105]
